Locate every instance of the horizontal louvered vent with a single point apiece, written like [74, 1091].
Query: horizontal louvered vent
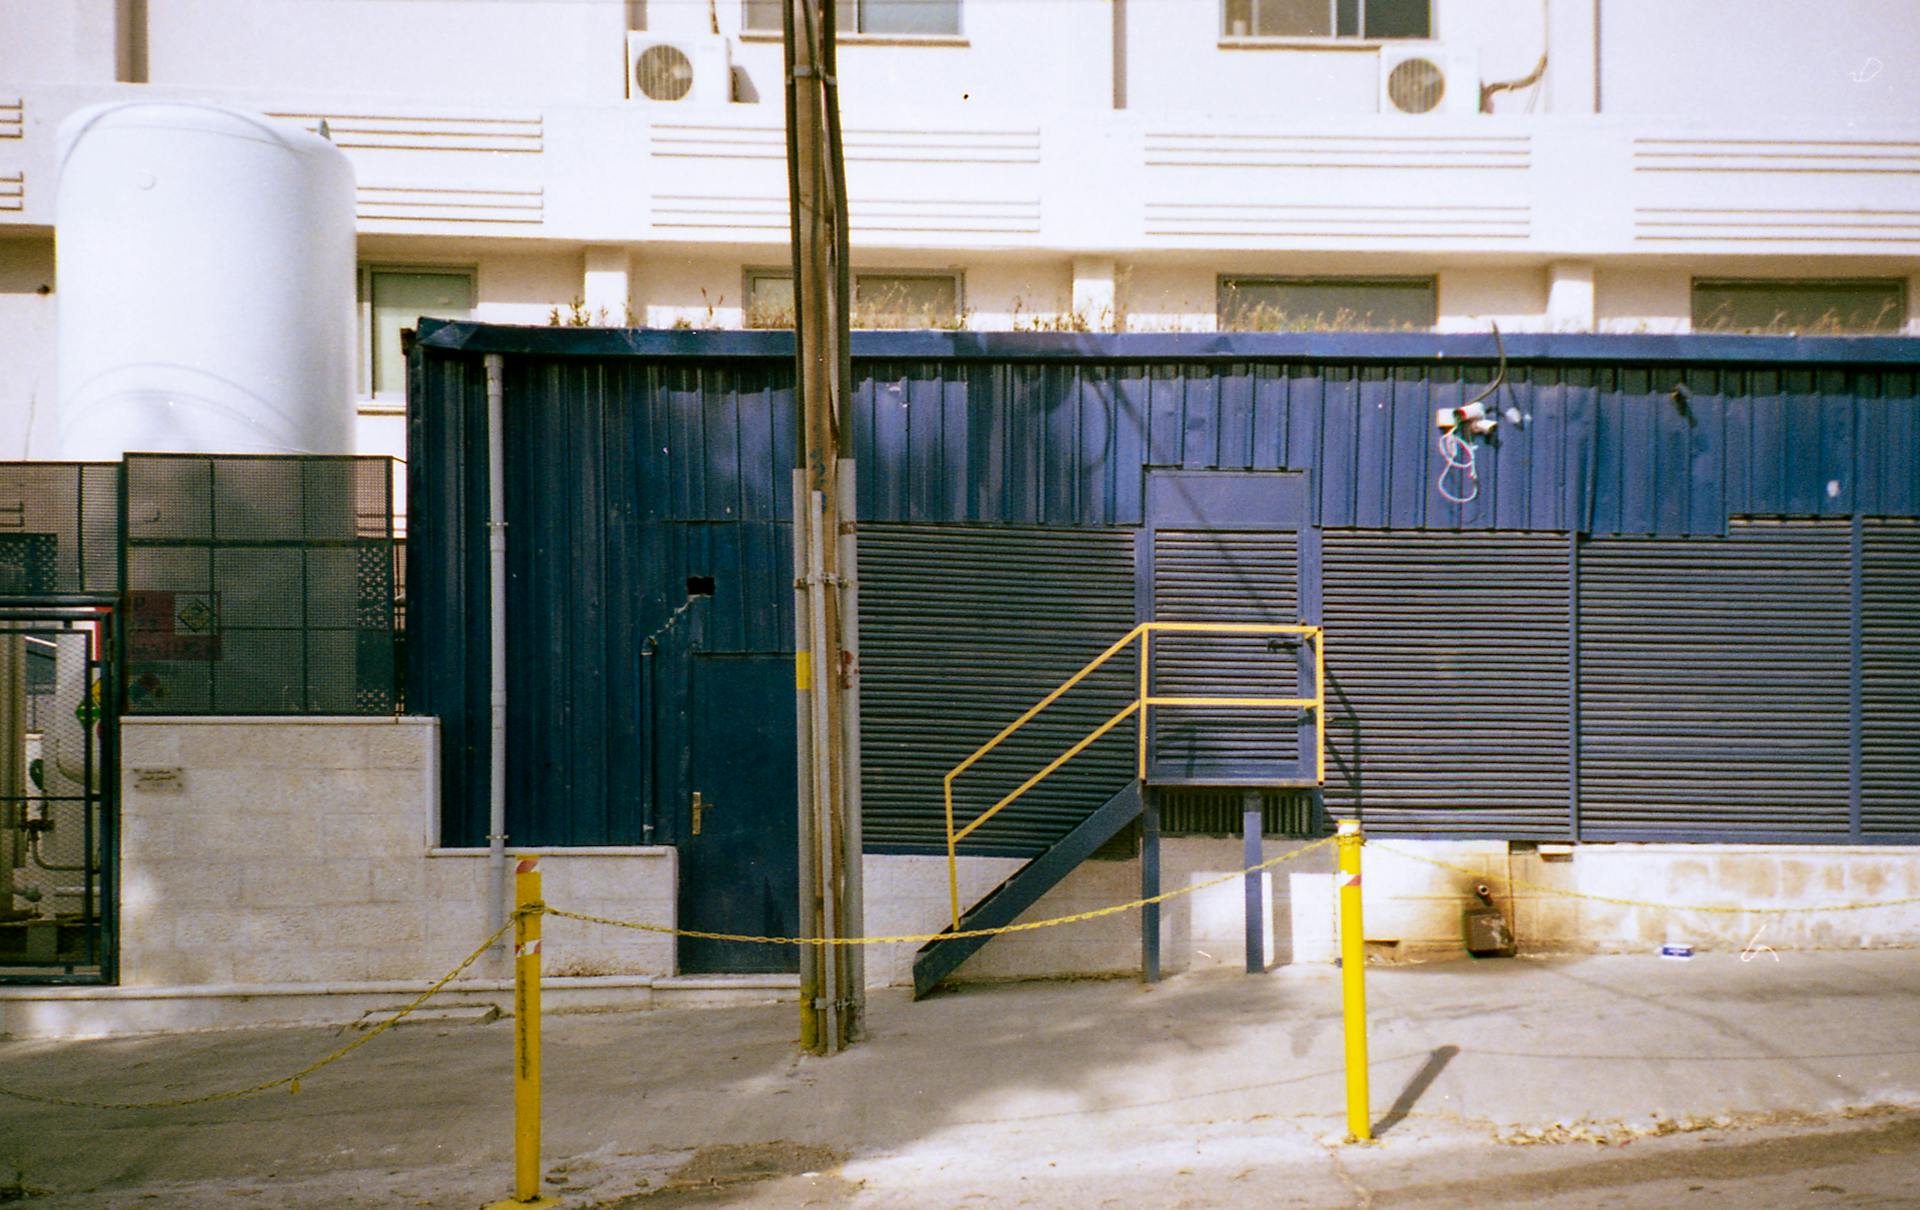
[963, 629]
[1890, 680]
[1714, 683]
[1447, 667]
[1225, 576]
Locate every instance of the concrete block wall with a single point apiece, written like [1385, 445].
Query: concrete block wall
[1413, 905]
[909, 895]
[300, 852]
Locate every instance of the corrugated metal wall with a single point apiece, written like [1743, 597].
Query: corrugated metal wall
[1890, 681]
[1225, 576]
[1715, 684]
[964, 627]
[1607, 449]
[629, 473]
[1448, 676]
[624, 480]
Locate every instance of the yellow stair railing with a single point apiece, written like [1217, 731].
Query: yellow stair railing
[1144, 700]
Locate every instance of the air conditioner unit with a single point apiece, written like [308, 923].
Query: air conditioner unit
[696, 71]
[1428, 80]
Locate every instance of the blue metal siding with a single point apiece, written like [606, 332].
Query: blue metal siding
[1447, 679]
[637, 459]
[1890, 681]
[1714, 684]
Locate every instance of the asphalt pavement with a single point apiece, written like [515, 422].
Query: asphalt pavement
[1789, 1079]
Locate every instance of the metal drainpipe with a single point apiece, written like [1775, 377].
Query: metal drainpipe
[810, 989]
[852, 849]
[497, 623]
[823, 781]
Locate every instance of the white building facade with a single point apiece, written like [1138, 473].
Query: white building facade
[1134, 165]
[1629, 166]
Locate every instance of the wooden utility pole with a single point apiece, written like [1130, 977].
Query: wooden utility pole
[832, 991]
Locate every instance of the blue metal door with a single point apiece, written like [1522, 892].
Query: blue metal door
[1230, 546]
[739, 863]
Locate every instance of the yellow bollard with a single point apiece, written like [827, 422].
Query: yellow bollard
[526, 1038]
[1353, 981]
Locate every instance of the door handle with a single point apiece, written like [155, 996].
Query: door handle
[699, 805]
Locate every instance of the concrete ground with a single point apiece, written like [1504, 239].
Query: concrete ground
[1607, 1081]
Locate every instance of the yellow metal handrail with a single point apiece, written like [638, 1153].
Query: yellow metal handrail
[1138, 708]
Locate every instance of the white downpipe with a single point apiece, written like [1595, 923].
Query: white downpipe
[825, 789]
[497, 623]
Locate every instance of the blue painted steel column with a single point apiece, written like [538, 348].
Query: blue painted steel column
[1149, 883]
[1856, 672]
[1250, 857]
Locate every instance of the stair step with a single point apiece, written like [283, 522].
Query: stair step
[1002, 906]
[432, 1014]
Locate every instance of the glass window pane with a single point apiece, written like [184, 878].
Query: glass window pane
[903, 300]
[1292, 18]
[909, 16]
[1346, 18]
[1326, 304]
[761, 14]
[1236, 18]
[400, 299]
[1399, 19]
[769, 300]
[1806, 307]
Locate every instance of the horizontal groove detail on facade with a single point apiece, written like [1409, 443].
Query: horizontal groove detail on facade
[400, 132]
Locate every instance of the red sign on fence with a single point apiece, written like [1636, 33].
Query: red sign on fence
[173, 626]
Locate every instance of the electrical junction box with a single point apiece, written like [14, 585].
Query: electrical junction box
[1487, 934]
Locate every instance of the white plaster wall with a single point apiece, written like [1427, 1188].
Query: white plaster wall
[516, 287]
[299, 851]
[1760, 59]
[1471, 297]
[1018, 58]
[477, 51]
[1177, 60]
[68, 40]
[28, 421]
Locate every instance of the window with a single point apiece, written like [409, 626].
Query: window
[881, 299]
[1318, 304]
[1805, 305]
[1326, 18]
[393, 299]
[913, 18]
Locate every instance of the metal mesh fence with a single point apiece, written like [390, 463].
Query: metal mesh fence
[251, 584]
[260, 585]
[59, 528]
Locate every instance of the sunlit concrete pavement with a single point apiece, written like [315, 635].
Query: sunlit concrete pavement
[1597, 1081]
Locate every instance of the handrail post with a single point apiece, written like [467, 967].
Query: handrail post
[1320, 705]
[1146, 642]
[953, 864]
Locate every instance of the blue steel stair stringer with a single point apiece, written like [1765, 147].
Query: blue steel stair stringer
[1002, 906]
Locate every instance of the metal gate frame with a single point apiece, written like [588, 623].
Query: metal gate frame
[76, 612]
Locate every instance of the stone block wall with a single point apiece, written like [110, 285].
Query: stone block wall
[300, 851]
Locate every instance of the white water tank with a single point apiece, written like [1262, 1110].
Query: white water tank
[205, 284]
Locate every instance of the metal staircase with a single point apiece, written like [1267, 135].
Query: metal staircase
[940, 957]
[1003, 904]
